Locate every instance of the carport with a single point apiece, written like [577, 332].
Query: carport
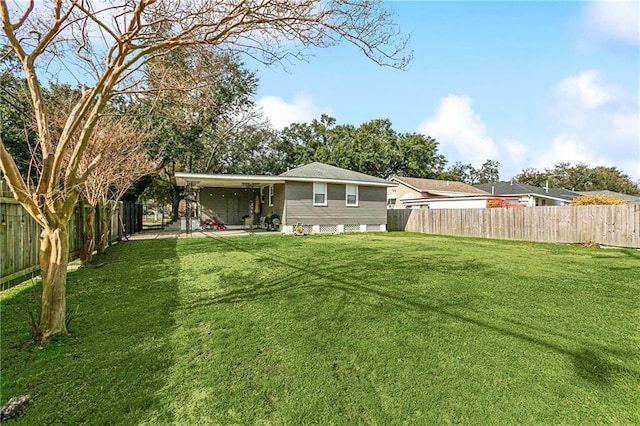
[226, 198]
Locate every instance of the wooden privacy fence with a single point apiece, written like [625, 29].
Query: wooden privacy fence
[20, 243]
[607, 225]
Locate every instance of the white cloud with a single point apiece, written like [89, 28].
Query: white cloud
[584, 91]
[597, 124]
[626, 126]
[566, 149]
[460, 131]
[464, 136]
[513, 158]
[616, 21]
[282, 113]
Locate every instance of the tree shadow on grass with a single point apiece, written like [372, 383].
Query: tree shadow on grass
[116, 357]
[587, 362]
[593, 368]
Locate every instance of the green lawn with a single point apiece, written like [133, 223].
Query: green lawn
[367, 328]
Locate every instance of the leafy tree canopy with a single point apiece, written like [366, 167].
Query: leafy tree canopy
[581, 177]
[373, 148]
[468, 174]
[16, 114]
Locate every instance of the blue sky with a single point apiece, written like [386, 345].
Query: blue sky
[529, 84]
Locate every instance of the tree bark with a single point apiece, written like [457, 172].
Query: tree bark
[54, 256]
[106, 217]
[88, 233]
[175, 205]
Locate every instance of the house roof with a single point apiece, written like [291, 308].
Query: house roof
[438, 187]
[508, 188]
[313, 172]
[320, 172]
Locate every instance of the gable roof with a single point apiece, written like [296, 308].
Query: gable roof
[437, 187]
[320, 172]
[524, 189]
[314, 172]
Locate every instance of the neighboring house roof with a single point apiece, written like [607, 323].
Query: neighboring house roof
[438, 187]
[325, 173]
[314, 172]
[630, 199]
[516, 188]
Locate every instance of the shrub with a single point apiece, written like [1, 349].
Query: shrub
[586, 200]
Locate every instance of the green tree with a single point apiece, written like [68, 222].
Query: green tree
[16, 114]
[199, 101]
[531, 176]
[581, 177]
[374, 148]
[303, 143]
[247, 151]
[371, 150]
[417, 156]
[486, 173]
[614, 179]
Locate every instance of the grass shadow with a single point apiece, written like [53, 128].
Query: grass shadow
[588, 365]
[593, 368]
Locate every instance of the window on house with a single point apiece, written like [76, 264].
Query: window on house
[391, 203]
[271, 191]
[352, 195]
[319, 194]
[262, 194]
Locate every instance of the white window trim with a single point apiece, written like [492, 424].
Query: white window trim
[346, 195]
[324, 186]
[391, 205]
[271, 195]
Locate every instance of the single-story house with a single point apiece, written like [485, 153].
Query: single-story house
[630, 199]
[314, 198]
[409, 188]
[531, 196]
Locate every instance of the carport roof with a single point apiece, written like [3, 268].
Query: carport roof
[225, 181]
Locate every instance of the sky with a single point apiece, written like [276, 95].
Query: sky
[528, 84]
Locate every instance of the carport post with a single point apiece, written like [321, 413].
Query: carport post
[250, 186]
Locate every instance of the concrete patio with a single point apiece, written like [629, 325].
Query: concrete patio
[173, 231]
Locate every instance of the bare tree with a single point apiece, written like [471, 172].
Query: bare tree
[112, 41]
[120, 144]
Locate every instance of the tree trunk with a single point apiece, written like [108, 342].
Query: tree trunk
[54, 256]
[106, 217]
[175, 202]
[88, 234]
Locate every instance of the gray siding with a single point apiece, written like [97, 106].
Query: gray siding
[299, 206]
[230, 204]
[278, 201]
